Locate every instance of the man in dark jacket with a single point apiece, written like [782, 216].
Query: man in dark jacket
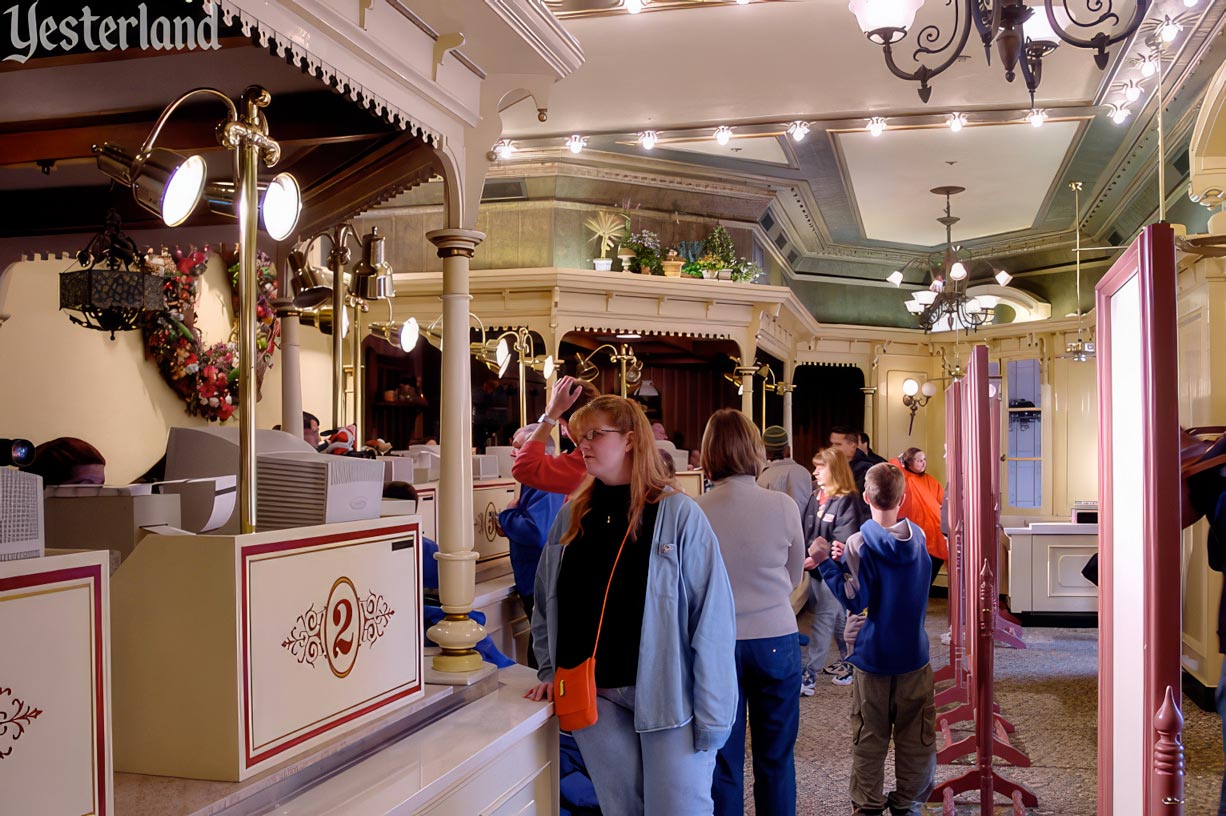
[847, 440]
[868, 451]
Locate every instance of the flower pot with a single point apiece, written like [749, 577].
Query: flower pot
[602, 264]
[723, 274]
[625, 260]
[672, 269]
[709, 274]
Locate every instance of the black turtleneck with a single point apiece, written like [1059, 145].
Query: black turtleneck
[586, 564]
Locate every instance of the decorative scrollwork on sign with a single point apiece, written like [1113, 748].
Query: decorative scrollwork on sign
[15, 722]
[336, 631]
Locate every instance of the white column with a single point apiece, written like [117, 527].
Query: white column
[457, 633]
[789, 375]
[291, 367]
[746, 373]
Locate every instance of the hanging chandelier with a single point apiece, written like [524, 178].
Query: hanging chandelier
[946, 301]
[1023, 35]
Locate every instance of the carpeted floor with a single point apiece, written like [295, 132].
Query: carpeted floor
[1048, 691]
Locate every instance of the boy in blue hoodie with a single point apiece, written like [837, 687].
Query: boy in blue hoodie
[884, 570]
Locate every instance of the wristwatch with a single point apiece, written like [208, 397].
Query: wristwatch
[547, 418]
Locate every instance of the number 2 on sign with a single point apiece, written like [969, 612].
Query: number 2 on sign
[340, 627]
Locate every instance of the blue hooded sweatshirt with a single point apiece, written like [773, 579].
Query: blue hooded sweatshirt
[526, 526]
[887, 575]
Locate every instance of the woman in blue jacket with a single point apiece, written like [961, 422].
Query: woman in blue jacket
[665, 667]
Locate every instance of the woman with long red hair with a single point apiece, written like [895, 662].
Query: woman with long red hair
[632, 557]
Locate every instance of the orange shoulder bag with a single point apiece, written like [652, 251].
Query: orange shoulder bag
[574, 689]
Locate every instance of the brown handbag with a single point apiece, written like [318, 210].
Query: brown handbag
[574, 689]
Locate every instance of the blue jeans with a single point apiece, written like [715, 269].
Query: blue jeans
[1219, 699]
[828, 619]
[768, 673]
[656, 773]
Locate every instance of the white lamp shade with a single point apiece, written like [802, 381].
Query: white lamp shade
[876, 14]
[992, 390]
[914, 306]
[988, 301]
[973, 307]
[925, 297]
[910, 387]
[280, 207]
[895, 278]
[957, 271]
[929, 389]
[1038, 27]
[409, 333]
[1003, 277]
[549, 367]
[502, 354]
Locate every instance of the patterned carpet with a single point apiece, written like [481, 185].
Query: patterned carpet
[1048, 691]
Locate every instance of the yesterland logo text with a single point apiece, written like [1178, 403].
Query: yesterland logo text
[32, 33]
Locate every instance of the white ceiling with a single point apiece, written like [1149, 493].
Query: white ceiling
[760, 148]
[1007, 170]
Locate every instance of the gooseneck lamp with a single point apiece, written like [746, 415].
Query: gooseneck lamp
[170, 185]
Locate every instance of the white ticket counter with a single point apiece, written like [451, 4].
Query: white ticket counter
[1045, 563]
[236, 653]
[55, 709]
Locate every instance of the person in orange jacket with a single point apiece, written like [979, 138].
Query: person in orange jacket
[922, 504]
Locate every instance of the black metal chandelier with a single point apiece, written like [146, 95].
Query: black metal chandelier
[946, 299]
[108, 294]
[1022, 37]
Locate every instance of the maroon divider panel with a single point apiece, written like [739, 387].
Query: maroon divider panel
[953, 568]
[1140, 758]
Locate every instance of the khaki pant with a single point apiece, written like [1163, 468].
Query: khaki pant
[899, 706]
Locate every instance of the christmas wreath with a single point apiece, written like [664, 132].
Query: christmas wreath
[205, 375]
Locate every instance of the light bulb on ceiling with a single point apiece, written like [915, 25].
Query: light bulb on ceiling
[1169, 29]
[895, 277]
[1003, 277]
[1132, 90]
[798, 130]
[746, 2]
[723, 134]
[1119, 113]
[504, 149]
[956, 121]
[1149, 65]
[957, 271]
[634, 6]
[576, 143]
[1036, 118]
[648, 139]
[876, 125]
[1191, 3]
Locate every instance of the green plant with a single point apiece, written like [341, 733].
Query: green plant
[720, 245]
[606, 227]
[647, 256]
[745, 271]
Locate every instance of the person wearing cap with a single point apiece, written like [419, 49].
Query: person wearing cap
[783, 473]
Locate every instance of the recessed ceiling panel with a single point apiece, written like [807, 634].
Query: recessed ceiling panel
[1006, 169]
[742, 148]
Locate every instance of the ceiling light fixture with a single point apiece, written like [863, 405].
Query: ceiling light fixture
[1021, 34]
[945, 303]
[895, 277]
[576, 143]
[876, 125]
[722, 134]
[1168, 30]
[1148, 63]
[1119, 113]
[504, 149]
[1081, 349]
[648, 139]
[955, 121]
[798, 130]
[1036, 118]
[1132, 90]
[634, 6]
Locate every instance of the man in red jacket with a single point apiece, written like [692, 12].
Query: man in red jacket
[555, 474]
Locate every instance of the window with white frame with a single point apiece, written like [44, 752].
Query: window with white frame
[1024, 429]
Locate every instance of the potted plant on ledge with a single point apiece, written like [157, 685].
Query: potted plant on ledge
[606, 228]
[647, 259]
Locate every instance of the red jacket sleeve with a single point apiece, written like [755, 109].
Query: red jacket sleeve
[553, 474]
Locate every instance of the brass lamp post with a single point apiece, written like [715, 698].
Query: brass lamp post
[171, 185]
[631, 366]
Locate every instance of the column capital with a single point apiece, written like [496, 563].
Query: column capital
[747, 371]
[451, 242]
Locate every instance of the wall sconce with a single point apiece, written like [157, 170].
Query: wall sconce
[631, 366]
[110, 297]
[170, 185]
[910, 389]
[520, 341]
[403, 336]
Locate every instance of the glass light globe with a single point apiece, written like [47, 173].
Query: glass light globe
[1132, 91]
[895, 277]
[281, 206]
[876, 125]
[182, 191]
[409, 334]
[872, 15]
[634, 6]
[914, 307]
[648, 139]
[1038, 28]
[1169, 30]
[955, 121]
[798, 130]
[910, 387]
[723, 133]
[925, 296]
[988, 301]
[929, 388]
[1119, 114]
[504, 149]
[1149, 66]
[576, 143]
[1003, 277]
[1036, 118]
[957, 271]
[992, 390]
[973, 306]
[549, 367]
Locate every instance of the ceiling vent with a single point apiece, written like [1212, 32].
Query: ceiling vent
[505, 190]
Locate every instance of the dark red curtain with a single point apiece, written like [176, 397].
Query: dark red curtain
[825, 396]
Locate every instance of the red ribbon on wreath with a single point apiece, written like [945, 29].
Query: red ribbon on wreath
[206, 375]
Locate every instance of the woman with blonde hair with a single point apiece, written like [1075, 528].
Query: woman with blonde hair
[631, 550]
[763, 549]
[840, 512]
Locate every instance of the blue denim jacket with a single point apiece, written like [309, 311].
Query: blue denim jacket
[687, 668]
